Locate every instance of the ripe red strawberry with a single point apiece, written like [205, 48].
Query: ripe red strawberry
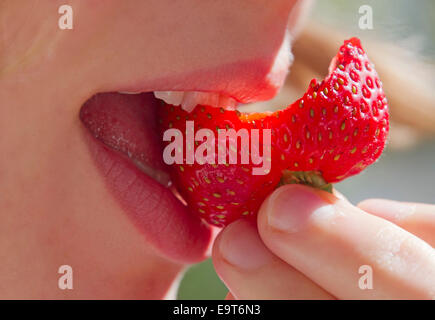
[334, 131]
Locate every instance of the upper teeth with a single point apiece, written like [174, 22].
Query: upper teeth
[190, 99]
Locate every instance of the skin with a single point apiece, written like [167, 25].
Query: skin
[54, 206]
[309, 244]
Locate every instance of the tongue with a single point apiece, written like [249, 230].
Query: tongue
[126, 123]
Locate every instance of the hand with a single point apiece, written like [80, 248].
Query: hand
[311, 244]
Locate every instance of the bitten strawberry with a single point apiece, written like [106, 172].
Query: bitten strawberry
[334, 131]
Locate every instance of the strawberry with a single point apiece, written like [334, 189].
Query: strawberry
[334, 131]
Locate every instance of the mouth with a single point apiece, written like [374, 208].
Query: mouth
[188, 100]
[122, 138]
[121, 131]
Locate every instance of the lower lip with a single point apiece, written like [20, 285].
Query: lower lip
[162, 219]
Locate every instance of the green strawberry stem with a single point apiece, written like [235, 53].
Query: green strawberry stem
[310, 178]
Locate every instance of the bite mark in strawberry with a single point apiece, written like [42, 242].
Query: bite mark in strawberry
[334, 131]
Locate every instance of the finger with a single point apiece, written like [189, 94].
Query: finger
[250, 271]
[417, 218]
[329, 240]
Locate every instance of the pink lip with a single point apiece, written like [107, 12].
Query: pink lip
[123, 126]
[256, 84]
[246, 80]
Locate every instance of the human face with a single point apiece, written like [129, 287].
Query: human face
[103, 205]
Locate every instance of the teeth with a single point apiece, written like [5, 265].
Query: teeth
[170, 97]
[227, 102]
[190, 99]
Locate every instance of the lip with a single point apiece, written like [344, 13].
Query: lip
[246, 80]
[260, 81]
[117, 141]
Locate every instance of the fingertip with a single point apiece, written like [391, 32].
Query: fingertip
[339, 195]
[367, 203]
[289, 207]
[388, 209]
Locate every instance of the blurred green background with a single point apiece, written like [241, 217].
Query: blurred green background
[407, 175]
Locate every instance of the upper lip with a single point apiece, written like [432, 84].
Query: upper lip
[246, 81]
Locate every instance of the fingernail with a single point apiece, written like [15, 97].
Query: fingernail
[291, 206]
[389, 209]
[242, 247]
